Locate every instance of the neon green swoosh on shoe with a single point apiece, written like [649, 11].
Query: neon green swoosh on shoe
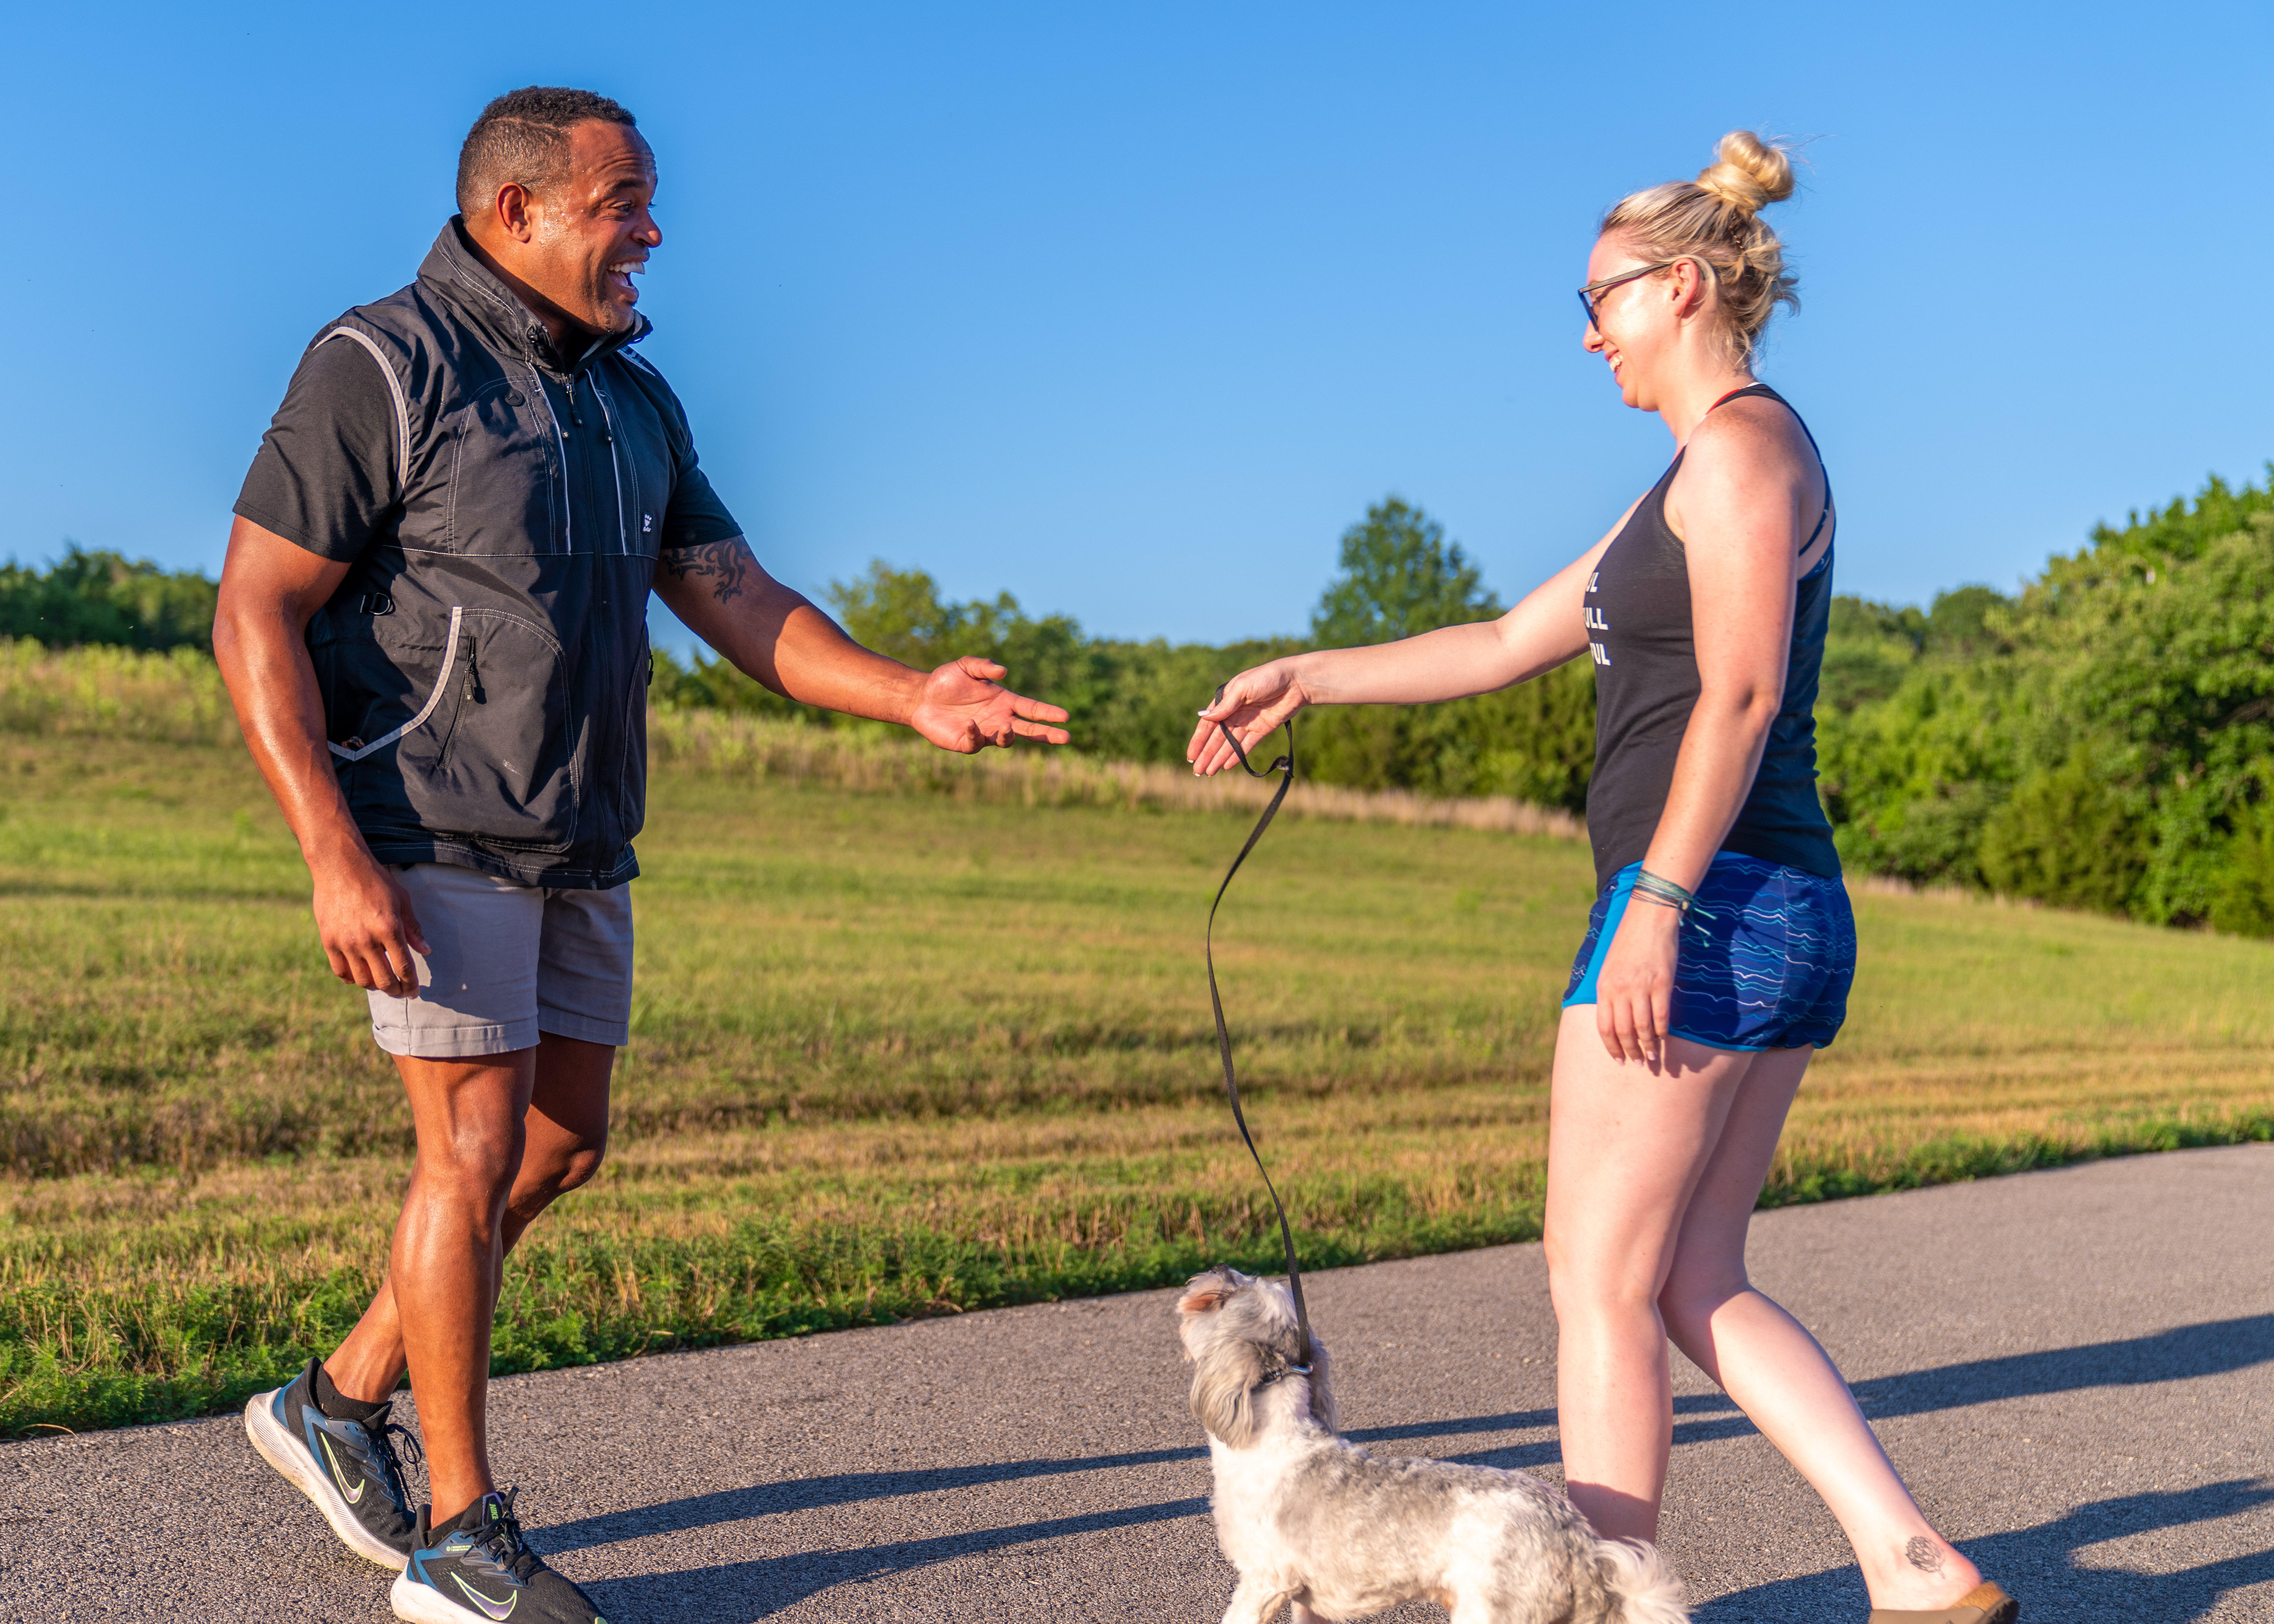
[499, 1610]
[339, 1476]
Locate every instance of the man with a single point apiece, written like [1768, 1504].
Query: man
[432, 623]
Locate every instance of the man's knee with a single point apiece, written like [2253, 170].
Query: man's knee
[561, 1168]
[476, 1164]
[579, 1166]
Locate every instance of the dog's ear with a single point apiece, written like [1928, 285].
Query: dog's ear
[1204, 1294]
[1224, 1391]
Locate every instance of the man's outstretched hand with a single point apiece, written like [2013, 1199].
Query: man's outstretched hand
[773, 633]
[964, 707]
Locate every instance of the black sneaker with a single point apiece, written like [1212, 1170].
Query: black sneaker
[348, 1468]
[477, 1569]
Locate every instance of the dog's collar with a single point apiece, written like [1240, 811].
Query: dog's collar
[1284, 1370]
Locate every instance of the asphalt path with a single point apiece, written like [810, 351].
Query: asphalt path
[2070, 1368]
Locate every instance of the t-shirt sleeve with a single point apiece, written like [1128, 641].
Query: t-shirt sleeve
[695, 517]
[324, 478]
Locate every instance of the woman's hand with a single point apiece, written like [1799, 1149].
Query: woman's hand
[1634, 990]
[1252, 704]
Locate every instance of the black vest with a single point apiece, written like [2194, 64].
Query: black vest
[484, 666]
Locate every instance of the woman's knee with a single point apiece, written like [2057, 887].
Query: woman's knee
[1692, 1296]
[1579, 1286]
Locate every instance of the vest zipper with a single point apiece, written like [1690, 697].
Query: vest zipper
[567, 505]
[623, 542]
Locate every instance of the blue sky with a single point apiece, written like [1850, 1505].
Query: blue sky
[1131, 309]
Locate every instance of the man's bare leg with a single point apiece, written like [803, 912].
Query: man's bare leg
[499, 1139]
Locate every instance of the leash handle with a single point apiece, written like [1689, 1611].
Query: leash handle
[1285, 768]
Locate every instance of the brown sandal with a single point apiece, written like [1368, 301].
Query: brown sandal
[1984, 1604]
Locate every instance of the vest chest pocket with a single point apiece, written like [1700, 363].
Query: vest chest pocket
[504, 497]
[465, 734]
[495, 757]
[641, 464]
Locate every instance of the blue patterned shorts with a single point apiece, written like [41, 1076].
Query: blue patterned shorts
[1766, 959]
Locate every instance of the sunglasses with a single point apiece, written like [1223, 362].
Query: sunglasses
[1591, 296]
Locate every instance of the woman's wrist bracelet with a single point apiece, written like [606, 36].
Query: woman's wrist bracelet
[1655, 888]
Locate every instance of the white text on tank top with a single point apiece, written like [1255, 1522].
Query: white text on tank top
[1592, 618]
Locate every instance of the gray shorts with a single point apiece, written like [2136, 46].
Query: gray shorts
[510, 961]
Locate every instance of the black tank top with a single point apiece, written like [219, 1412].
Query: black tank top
[1646, 684]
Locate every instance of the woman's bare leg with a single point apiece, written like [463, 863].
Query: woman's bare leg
[1626, 1146]
[1778, 1373]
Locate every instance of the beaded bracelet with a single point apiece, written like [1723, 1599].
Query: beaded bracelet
[1665, 893]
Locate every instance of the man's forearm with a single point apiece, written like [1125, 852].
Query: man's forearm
[273, 684]
[775, 635]
[815, 663]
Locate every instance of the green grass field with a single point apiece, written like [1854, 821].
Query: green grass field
[910, 1053]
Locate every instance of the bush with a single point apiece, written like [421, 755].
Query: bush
[2244, 902]
[2104, 740]
[102, 597]
[2067, 836]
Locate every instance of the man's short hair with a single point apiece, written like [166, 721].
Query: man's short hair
[524, 137]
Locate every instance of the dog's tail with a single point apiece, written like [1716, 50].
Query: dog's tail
[1643, 1589]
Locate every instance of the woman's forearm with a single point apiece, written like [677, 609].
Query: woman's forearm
[1453, 662]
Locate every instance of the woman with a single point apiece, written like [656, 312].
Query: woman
[1689, 1018]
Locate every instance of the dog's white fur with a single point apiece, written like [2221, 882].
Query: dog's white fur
[1310, 1518]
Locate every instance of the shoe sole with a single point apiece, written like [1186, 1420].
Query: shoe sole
[293, 1464]
[422, 1603]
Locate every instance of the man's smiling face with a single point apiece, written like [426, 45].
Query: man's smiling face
[590, 232]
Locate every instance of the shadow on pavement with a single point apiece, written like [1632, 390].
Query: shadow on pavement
[2039, 1565]
[848, 1488]
[741, 1592]
[813, 1493]
[2213, 1349]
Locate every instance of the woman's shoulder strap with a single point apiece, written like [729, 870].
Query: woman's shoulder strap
[1764, 392]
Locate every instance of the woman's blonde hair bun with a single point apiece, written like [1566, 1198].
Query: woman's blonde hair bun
[1716, 220]
[1747, 172]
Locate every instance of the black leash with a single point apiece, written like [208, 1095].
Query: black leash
[1285, 767]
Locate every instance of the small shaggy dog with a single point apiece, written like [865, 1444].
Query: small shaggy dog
[1310, 1518]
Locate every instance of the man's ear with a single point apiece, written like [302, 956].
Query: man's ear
[512, 210]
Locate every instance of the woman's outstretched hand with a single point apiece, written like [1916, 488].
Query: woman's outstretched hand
[964, 707]
[1252, 704]
[1634, 990]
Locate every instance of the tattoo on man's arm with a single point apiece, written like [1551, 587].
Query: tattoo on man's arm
[1923, 1553]
[725, 564]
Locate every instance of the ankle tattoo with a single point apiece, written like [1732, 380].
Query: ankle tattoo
[1924, 1554]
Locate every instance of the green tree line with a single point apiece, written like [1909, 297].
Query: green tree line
[101, 597]
[2102, 739]
[1136, 701]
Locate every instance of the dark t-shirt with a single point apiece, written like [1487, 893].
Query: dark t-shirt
[325, 472]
